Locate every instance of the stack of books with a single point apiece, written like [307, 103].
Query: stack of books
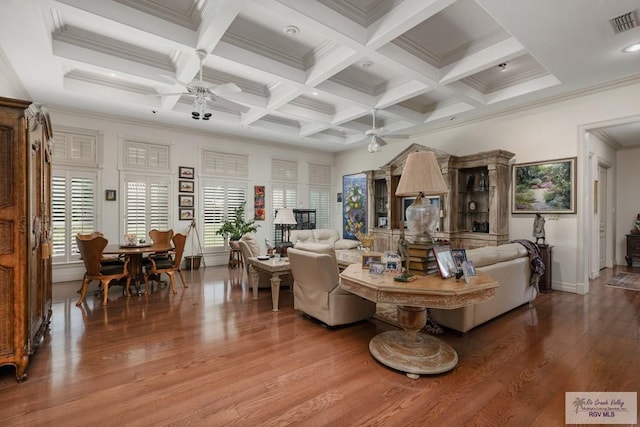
[421, 259]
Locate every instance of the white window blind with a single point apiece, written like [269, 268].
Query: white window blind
[146, 155]
[319, 175]
[284, 170]
[224, 164]
[73, 210]
[146, 204]
[320, 200]
[75, 148]
[219, 202]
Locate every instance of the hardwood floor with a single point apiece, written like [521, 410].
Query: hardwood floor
[212, 356]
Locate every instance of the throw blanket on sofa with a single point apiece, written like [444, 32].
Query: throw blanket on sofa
[535, 260]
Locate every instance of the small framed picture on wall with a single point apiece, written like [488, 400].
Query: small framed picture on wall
[186, 214]
[185, 172]
[186, 186]
[185, 200]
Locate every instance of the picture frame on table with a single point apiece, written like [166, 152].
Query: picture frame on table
[185, 201]
[186, 214]
[186, 172]
[468, 270]
[377, 268]
[548, 186]
[444, 260]
[394, 265]
[459, 256]
[185, 186]
[367, 260]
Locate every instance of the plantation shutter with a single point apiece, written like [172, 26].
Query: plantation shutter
[320, 194]
[219, 200]
[320, 200]
[147, 204]
[73, 210]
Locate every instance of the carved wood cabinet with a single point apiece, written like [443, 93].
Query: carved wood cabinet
[25, 247]
[474, 213]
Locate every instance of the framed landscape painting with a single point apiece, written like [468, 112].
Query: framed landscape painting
[548, 186]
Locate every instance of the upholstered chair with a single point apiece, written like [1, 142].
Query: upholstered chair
[249, 248]
[91, 254]
[316, 287]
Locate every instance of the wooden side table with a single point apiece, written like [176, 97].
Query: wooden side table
[545, 281]
[235, 258]
[633, 248]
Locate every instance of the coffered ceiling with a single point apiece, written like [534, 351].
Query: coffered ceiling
[310, 71]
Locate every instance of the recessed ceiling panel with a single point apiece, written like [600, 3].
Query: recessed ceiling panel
[458, 30]
[506, 74]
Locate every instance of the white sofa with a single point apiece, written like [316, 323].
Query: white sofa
[509, 265]
[325, 236]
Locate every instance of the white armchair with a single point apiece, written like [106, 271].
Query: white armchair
[316, 287]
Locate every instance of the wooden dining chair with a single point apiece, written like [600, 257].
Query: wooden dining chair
[169, 266]
[91, 254]
[159, 237]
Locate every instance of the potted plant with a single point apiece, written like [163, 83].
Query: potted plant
[237, 227]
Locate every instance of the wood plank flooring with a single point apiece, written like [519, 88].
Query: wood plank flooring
[212, 356]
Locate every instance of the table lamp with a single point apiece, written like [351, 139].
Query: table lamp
[285, 218]
[421, 177]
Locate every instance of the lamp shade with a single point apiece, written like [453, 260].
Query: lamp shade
[420, 177]
[285, 216]
[421, 174]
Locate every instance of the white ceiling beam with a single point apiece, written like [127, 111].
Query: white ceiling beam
[448, 111]
[401, 93]
[331, 64]
[521, 89]
[216, 19]
[313, 128]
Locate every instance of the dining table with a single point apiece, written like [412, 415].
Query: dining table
[135, 255]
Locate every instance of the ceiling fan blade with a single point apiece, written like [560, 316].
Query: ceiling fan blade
[396, 135]
[227, 88]
[381, 142]
[170, 94]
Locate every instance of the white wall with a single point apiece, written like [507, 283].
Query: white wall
[550, 131]
[185, 146]
[10, 85]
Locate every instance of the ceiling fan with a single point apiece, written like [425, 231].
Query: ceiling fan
[206, 93]
[375, 136]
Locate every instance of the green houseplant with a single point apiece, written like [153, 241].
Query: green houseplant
[237, 227]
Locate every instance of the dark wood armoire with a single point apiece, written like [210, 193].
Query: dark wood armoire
[26, 142]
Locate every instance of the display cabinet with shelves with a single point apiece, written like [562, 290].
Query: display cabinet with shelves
[474, 213]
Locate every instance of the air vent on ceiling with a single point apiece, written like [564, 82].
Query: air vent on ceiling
[624, 22]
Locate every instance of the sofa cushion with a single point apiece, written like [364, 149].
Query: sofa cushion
[252, 243]
[494, 254]
[325, 235]
[346, 244]
[296, 236]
